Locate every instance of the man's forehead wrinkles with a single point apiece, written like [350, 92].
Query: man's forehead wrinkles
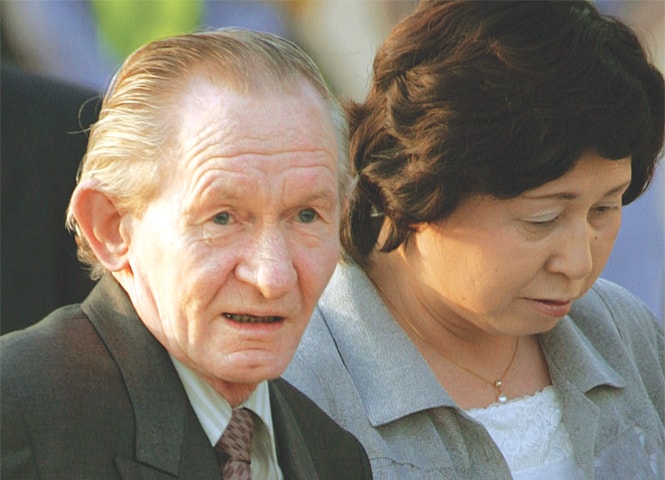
[216, 181]
[263, 163]
[310, 181]
[230, 151]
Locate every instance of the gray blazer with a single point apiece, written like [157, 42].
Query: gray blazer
[90, 393]
[606, 361]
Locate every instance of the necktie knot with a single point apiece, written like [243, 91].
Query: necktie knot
[235, 447]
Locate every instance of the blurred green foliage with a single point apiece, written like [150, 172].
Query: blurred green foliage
[125, 25]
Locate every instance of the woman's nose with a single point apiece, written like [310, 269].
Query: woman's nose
[573, 253]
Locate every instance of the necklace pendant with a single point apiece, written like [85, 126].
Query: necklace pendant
[501, 397]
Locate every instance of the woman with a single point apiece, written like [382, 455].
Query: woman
[467, 335]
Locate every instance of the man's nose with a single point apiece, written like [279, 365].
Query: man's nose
[268, 265]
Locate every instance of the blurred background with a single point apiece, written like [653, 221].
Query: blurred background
[84, 41]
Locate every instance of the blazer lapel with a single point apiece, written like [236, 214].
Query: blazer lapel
[169, 438]
[293, 454]
[131, 469]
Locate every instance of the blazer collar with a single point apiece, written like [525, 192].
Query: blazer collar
[573, 360]
[360, 322]
[293, 454]
[576, 367]
[167, 431]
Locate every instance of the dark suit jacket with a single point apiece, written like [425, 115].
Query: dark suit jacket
[89, 393]
[42, 143]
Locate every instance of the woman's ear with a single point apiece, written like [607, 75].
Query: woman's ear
[101, 223]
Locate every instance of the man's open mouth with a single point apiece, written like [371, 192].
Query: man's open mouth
[251, 318]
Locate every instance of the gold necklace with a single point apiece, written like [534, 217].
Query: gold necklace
[497, 384]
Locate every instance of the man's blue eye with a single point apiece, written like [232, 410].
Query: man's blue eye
[307, 216]
[222, 218]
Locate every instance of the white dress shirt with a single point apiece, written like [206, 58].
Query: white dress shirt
[214, 413]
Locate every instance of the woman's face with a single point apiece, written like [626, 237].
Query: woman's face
[515, 266]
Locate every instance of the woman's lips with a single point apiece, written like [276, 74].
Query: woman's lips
[551, 308]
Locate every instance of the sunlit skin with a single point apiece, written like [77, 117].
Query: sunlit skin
[226, 263]
[499, 269]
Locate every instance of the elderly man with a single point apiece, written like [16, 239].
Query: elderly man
[207, 205]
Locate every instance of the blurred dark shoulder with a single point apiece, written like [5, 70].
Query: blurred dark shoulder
[43, 137]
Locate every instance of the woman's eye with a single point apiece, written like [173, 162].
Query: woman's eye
[605, 209]
[543, 223]
[307, 215]
[222, 218]
[605, 212]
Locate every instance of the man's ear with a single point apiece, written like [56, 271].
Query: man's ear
[101, 223]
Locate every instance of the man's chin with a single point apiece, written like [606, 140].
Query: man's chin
[234, 393]
[250, 371]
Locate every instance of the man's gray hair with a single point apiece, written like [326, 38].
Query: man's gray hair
[128, 144]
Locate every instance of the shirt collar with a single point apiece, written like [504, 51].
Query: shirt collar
[390, 395]
[214, 412]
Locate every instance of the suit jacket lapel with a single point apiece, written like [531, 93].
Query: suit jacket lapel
[169, 438]
[292, 450]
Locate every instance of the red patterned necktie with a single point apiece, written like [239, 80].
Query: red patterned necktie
[235, 446]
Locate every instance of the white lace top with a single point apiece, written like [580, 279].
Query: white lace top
[531, 436]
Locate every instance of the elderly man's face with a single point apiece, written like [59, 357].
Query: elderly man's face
[229, 260]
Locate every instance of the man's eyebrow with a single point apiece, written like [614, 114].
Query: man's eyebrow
[327, 195]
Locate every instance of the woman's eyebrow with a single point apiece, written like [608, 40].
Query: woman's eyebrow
[573, 196]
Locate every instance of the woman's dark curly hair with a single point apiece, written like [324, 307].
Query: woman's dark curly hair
[497, 98]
